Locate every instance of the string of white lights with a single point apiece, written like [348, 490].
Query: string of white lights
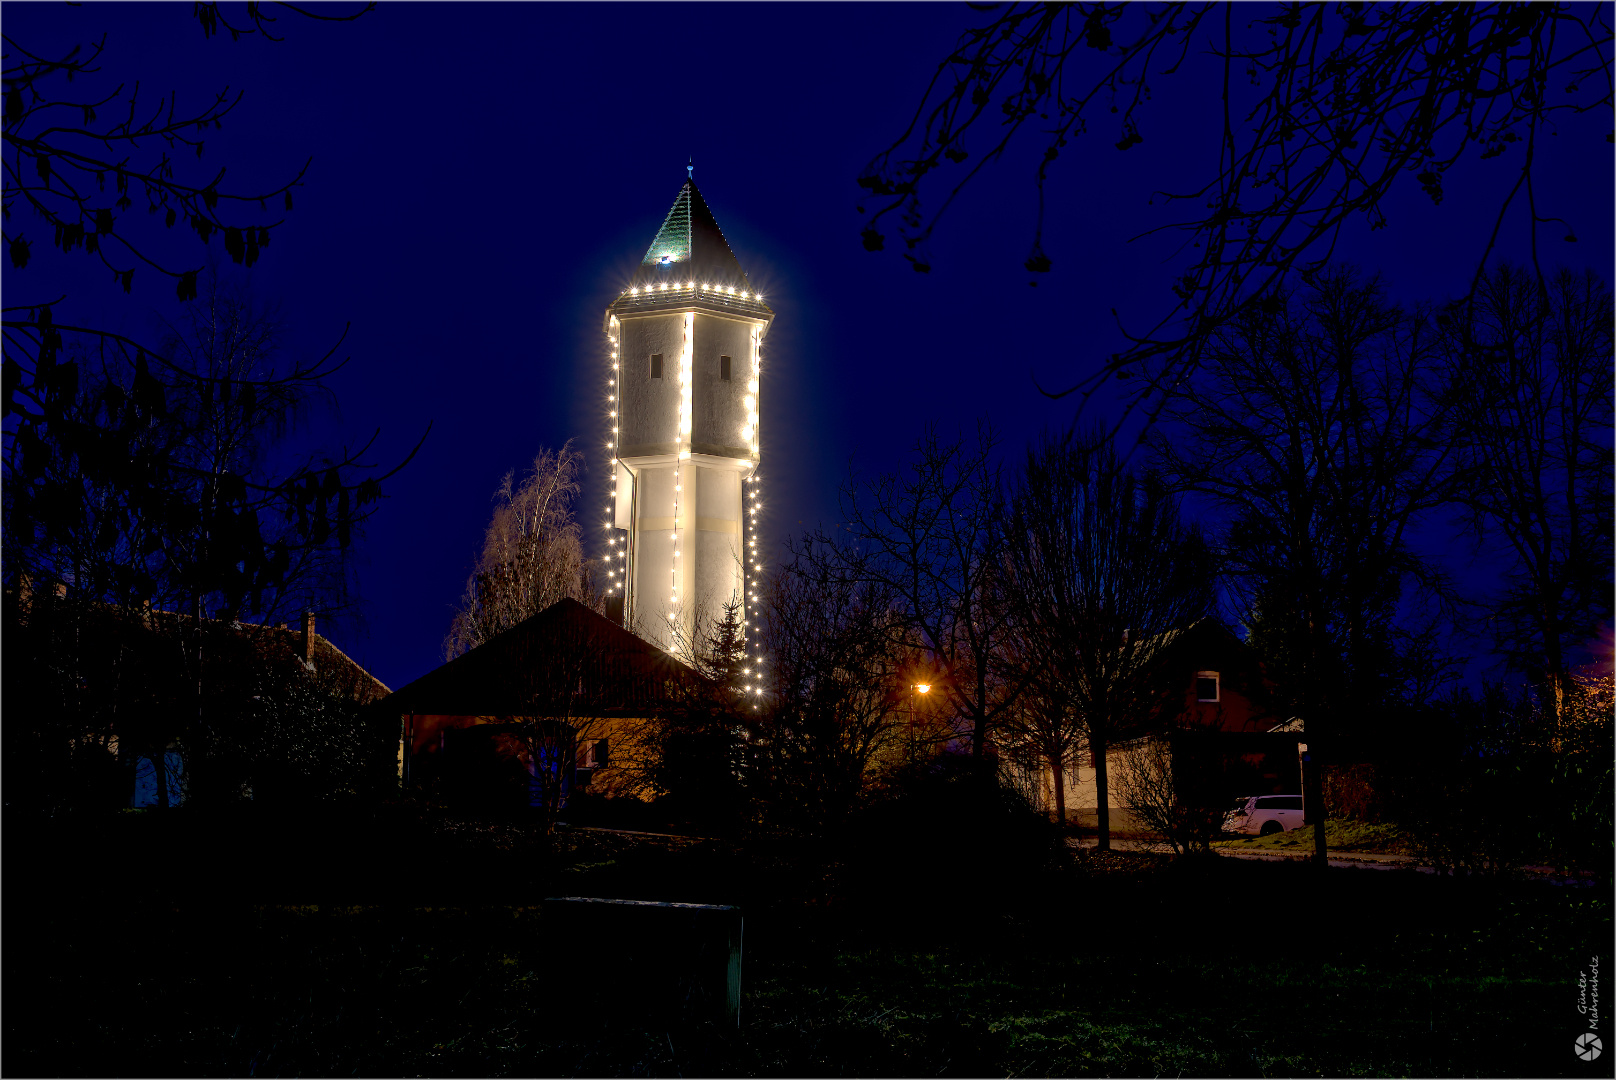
[616, 560]
[686, 412]
[691, 287]
[752, 492]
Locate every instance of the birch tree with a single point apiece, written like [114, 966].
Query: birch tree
[532, 553]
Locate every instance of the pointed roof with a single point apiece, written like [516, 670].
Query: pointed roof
[690, 246]
[565, 661]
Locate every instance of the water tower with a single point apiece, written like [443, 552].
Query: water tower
[684, 340]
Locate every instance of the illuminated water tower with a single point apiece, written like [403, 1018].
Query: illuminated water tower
[684, 341]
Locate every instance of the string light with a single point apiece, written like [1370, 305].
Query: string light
[725, 294]
[751, 568]
[616, 578]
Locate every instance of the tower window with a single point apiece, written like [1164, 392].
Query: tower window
[656, 365]
[723, 368]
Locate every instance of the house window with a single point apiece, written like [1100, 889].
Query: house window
[656, 365]
[1206, 686]
[602, 755]
[723, 368]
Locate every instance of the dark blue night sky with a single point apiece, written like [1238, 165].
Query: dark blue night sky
[485, 177]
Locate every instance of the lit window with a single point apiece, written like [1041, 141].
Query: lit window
[1206, 686]
[656, 365]
[723, 368]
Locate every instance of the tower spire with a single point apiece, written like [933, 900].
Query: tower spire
[690, 169]
[690, 247]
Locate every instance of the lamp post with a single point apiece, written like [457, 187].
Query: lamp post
[915, 689]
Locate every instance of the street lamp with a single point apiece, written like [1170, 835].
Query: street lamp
[918, 688]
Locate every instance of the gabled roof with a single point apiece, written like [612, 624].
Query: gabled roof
[690, 247]
[564, 661]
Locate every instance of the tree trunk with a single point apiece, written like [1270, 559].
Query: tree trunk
[159, 762]
[1314, 782]
[1102, 794]
[1552, 691]
[1313, 791]
[1060, 790]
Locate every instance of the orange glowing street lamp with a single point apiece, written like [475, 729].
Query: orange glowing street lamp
[918, 688]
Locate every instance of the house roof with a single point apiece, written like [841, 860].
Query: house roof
[236, 655]
[565, 661]
[326, 657]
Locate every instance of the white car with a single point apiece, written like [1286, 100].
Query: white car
[1263, 815]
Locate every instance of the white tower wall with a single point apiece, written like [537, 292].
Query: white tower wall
[687, 441]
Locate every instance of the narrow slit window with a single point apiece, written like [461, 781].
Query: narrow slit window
[656, 365]
[723, 368]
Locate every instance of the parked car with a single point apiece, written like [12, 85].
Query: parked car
[1264, 815]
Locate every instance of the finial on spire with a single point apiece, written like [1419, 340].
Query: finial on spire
[690, 169]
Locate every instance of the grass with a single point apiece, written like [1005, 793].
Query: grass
[1339, 835]
[1113, 964]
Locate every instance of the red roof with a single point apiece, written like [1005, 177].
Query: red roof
[565, 661]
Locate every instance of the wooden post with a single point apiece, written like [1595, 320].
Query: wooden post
[1301, 782]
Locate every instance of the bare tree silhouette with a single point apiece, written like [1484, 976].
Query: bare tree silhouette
[1531, 369]
[1325, 431]
[936, 536]
[1325, 109]
[1104, 575]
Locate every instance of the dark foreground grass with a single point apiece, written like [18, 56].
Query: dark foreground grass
[1113, 965]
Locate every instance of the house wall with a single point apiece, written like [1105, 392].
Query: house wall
[1036, 780]
[423, 738]
[1235, 712]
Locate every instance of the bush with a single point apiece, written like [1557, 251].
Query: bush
[1489, 783]
[1351, 791]
[1164, 785]
[947, 827]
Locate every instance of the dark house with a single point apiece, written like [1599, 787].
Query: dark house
[1221, 723]
[136, 708]
[1226, 722]
[566, 698]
